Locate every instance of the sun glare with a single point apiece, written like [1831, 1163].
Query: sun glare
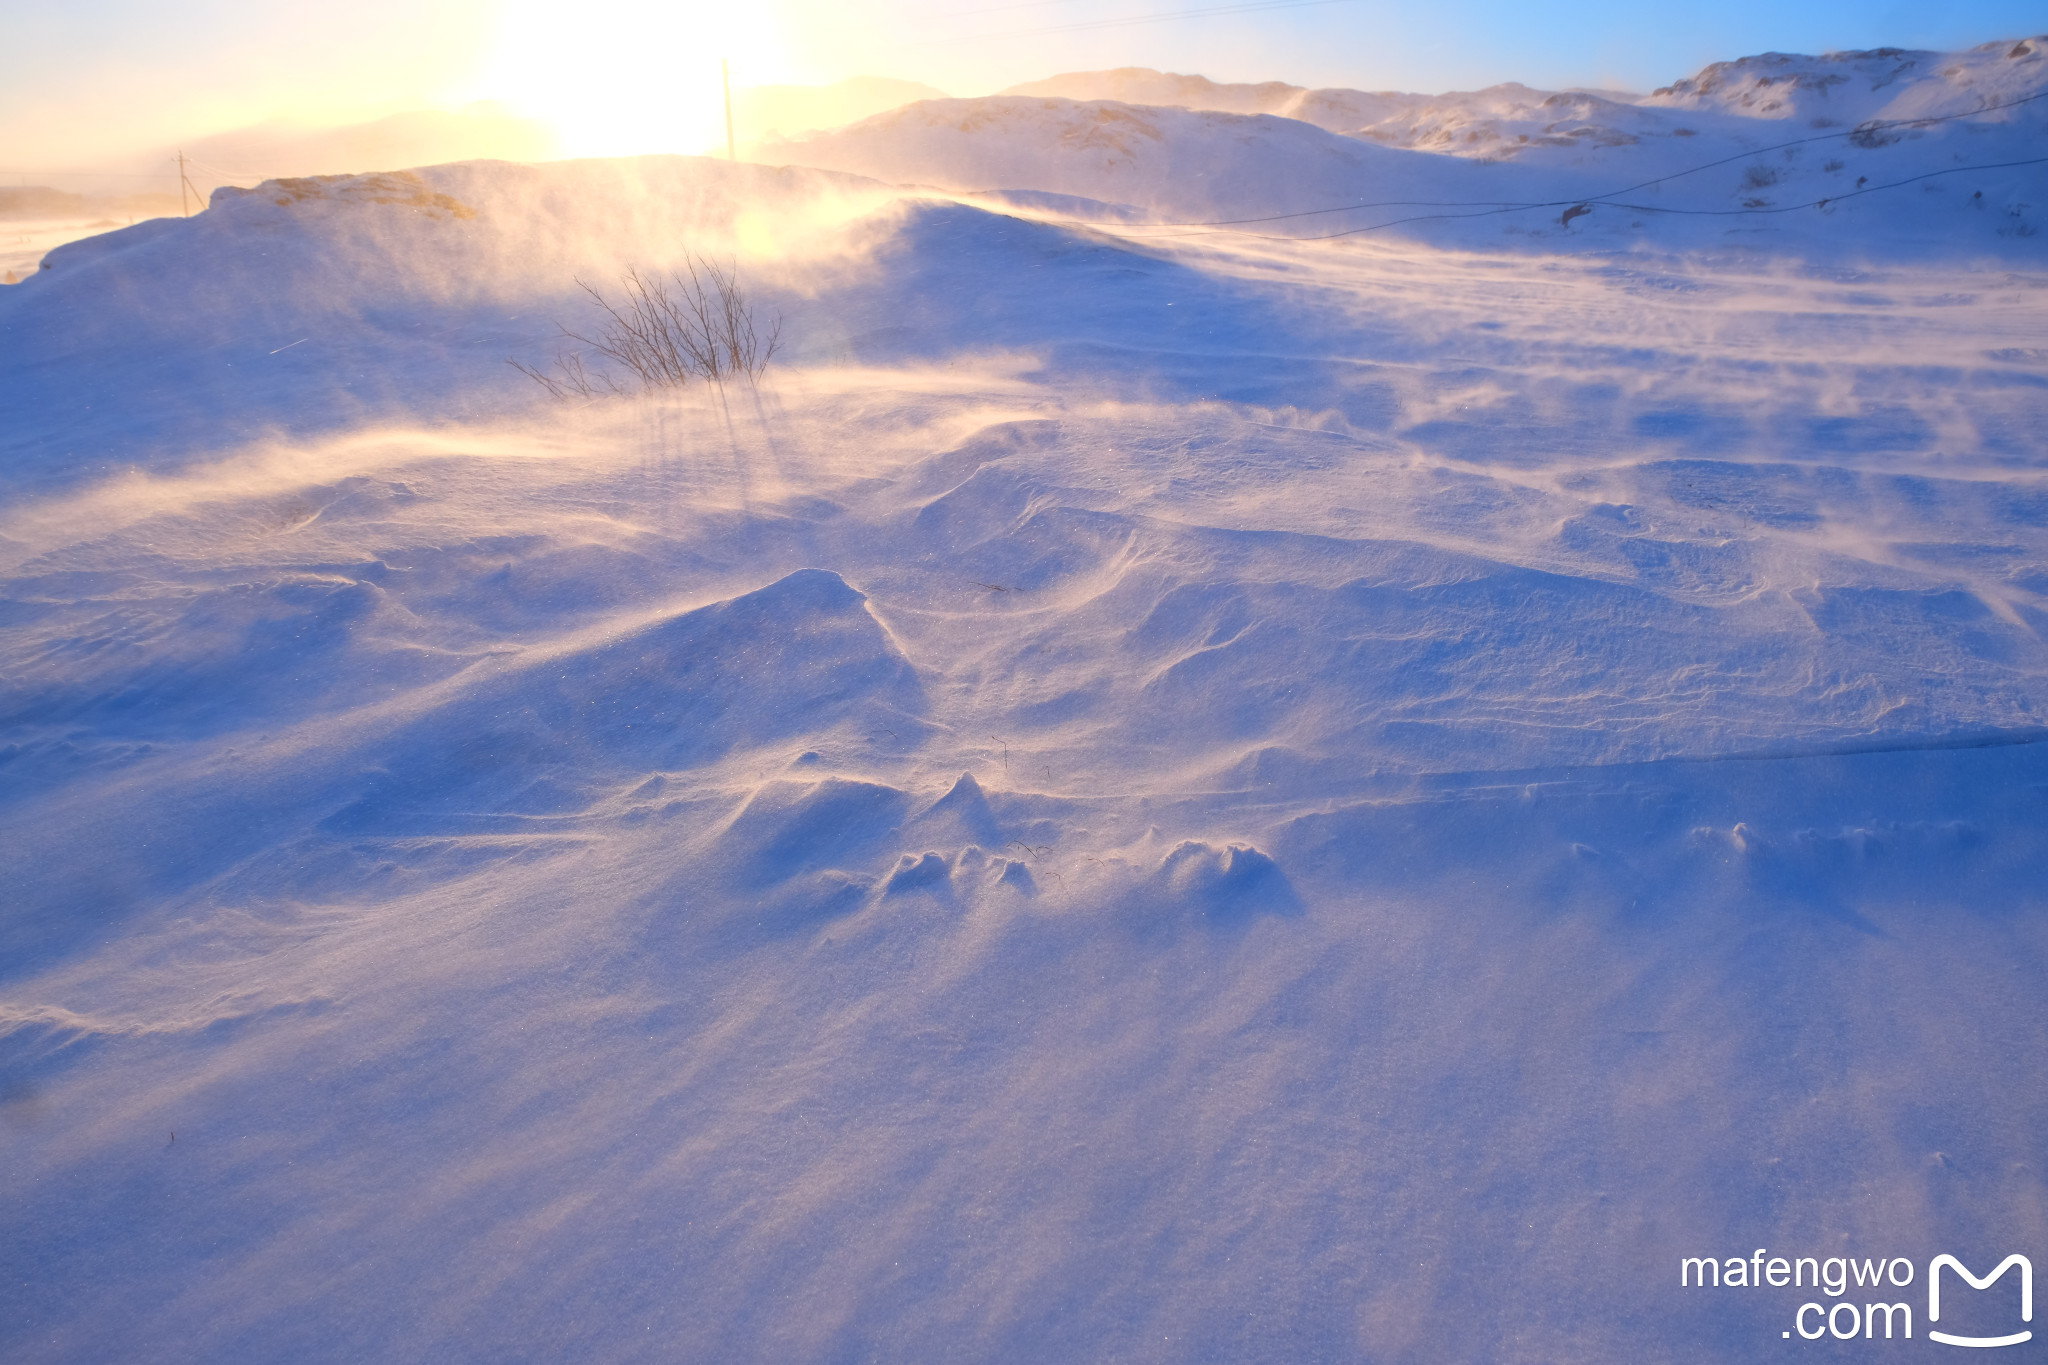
[620, 77]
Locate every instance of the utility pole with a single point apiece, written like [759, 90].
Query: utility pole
[185, 183]
[725, 73]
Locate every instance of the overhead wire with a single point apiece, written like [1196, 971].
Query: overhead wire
[932, 39]
[100, 175]
[1826, 200]
[1499, 210]
[1478, 208]
[1247, 7]
[1505, 206]
[1865, 129]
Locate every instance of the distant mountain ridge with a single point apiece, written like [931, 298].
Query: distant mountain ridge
[1512, 119]
[1766, 147]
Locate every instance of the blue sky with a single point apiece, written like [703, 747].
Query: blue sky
[83, 80]
[1442, 44]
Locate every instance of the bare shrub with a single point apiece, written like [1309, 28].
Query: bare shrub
[696, 323]
[571, 379]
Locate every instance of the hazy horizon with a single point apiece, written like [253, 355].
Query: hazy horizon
[73, 103]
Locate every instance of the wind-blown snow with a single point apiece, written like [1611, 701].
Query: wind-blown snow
[1144, 797]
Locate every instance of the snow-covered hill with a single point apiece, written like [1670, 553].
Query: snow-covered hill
[1512, 120]
[1174, 163]
[1875, 149]
[1141, 797]
[1857, 87]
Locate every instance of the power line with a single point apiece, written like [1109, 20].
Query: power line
[1479, 208]
[1252, 7]
[725, 77]
[1497, 211]
[1860, 130]
[988, 9]
[1164, 16]
[1606, 199]
[100, 175]
[1830, 199]
[170, 171]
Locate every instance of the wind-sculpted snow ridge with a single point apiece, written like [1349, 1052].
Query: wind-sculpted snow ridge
[1142, 797]
[555, 732]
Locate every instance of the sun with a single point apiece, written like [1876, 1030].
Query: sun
[621, 77]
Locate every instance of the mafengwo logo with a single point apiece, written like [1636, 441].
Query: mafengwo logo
[1854, 1290]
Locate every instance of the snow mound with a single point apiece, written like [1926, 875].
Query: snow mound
[555, 732]
[1224, 885]
[802, 854]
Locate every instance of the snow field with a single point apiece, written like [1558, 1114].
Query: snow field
[1204, 799]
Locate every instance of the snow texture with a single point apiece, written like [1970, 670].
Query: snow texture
[1150, 795]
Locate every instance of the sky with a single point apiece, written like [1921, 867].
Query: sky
[86, 83]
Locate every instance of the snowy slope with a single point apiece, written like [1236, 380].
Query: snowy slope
[1144, 797]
